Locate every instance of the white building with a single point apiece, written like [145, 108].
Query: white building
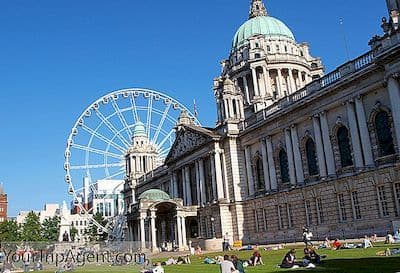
[292, 147]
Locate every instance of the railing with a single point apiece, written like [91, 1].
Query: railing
[317, 85]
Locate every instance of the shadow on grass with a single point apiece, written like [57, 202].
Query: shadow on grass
[355, 265]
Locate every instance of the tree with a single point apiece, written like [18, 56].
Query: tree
[31, 229]
[50, 229]
[9, 231]
[94, 233]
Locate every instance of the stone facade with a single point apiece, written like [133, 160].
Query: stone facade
[292, 147]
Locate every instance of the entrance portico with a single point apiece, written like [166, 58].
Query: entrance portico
[160, 222]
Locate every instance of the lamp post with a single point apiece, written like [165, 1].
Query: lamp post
[213, 227]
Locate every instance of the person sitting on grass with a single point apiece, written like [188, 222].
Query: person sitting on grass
[183, 260]
[289, 261]
[336, 244]
[367, 242]
[227, 266]
[389, 238]
[256, 259]
[238, 264]
[311, 255]
[158, 268]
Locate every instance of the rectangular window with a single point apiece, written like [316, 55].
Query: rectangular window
[320, 211]
[397, 196]
[280, 217]
[256, 220]
[260, 220]
[383, 201]
[309, 213]
[265, 219]
[289, 215]
[356, 205]
[342, 208]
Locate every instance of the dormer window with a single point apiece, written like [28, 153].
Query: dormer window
[268, 48]
[257, 56]
[257, 45]
[277, 48]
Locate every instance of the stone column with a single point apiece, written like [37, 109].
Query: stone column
[153, 231]
[292, 82]
[198, 185]
[246, 89]
[289, 150]
[267, 79]
[265, 165]
[174, 176]
[298, 162]
[255, 82]
[142, 232]
[226, 109]
[179, 231]
[202, 181]
[363, 127]
[355, 137]
[280, 84]
[394, 94]
[213, 178]
[250, 179]
[231, 110]
[218, 174]
[184, 197]
[188, 186]
[171, 186]
[330, 160]
[184, 239]
[271, 164]
[320, 147]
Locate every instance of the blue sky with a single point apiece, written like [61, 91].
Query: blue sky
[56, 57]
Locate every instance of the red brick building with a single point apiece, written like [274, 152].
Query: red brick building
[3, 205]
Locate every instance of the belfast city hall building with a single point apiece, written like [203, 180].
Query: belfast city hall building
[293, 147]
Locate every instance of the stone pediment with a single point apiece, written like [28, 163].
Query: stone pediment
[188, 140]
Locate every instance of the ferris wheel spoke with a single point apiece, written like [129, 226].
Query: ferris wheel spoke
[114, 175]
[105, 139]
[112, 128]
[166, 138]
[96, 151]
[134, 109]
[149, 111]
[164, 116]
[98, 166]
[121, 118]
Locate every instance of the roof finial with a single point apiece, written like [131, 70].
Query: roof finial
[257, 9]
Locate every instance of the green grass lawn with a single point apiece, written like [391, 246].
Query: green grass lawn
[342, 261]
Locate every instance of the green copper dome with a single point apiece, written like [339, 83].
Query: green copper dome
[154, 195]
[139, 130]
[261, 25]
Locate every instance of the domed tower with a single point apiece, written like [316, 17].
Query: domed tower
[142, 155]
[266, 63]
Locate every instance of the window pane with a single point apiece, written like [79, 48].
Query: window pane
[384, 134]
[311, 157]
[283, 162]
[344, 147]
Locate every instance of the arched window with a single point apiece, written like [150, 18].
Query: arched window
[259, 174]
[284, 166]
[311, 158]
[384, 134]
[344, 147]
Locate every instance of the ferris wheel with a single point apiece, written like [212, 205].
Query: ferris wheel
[102, 135]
